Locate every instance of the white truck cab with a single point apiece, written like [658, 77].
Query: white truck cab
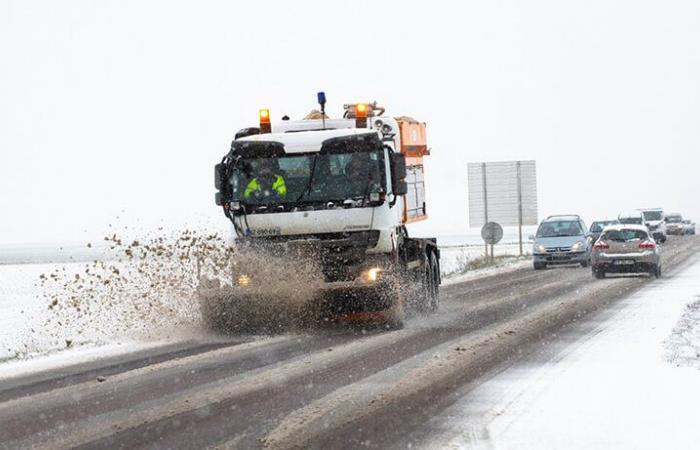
[345, 187]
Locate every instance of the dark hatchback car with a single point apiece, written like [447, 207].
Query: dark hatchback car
[597, 228]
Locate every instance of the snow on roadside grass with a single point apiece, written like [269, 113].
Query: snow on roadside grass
[683, 346]
[500, 265]
[146, 291]
[453, 258]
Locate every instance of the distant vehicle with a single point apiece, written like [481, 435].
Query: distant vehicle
[631, 218]
[561, 240]
[689, 227]
[654, 220]
[597, 228]
[674, 224]
[626, 249]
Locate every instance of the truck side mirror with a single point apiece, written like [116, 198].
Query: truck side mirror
[400, 187]
[398, 166]
[223, 190]
[398, 174]
[219, 176]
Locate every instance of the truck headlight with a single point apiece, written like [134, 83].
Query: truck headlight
[243, 280]
[576, 247]
[540, 248]
[373, 274]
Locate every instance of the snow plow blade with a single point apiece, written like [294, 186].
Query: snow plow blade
[233, 309]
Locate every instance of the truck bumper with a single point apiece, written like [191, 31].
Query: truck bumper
[337, 297]
[352, 297]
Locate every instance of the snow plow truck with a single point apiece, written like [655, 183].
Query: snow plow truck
[319, 208]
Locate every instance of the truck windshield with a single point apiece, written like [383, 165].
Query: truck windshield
[308, 178]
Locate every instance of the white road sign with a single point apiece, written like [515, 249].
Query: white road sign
[503, 192]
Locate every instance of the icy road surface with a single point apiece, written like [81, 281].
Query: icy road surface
[344, 388]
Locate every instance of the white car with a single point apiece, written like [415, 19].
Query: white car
[654, 220]
[631, 218]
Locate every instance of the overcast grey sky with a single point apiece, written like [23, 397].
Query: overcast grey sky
[111, 106]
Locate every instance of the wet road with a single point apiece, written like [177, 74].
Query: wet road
[329, 389]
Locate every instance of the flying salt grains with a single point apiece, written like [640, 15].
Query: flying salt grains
[148, 288]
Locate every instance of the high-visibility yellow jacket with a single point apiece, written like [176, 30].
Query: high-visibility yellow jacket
[278, 186]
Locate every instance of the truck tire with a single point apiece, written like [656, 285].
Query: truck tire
[539, 266]
[599, 274]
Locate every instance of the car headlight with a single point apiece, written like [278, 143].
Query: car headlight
[540, 248]
[577, 247]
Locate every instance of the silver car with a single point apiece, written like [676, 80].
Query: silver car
[674, 224]
[625, 249]
[561, 240]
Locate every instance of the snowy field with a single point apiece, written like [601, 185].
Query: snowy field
[632, 382]
[23, 322]
[141, 292]
[30, 326]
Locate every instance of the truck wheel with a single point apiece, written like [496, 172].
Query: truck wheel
[584, 264]
[598, 273]
[539, 266]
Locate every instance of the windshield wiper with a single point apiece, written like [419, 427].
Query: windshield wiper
[308, 187]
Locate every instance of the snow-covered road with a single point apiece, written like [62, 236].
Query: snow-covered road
[627, 378]
[344, 387]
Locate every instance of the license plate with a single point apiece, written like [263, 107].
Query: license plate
[623, 262]
[275, 231]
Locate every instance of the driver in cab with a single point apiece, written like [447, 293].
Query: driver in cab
[269, 181]
[359, 174]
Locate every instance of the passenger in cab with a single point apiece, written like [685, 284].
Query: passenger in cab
[268, 182]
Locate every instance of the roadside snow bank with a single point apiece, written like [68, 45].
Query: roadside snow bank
[683, 346]
[607, 383]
